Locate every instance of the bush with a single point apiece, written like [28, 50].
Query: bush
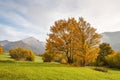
[102, 69]
[63, 61]
[105, 50]
[30, 55]
[55, 57]
[22, 54]
[47, 57]
[1, 50]
[114, 60]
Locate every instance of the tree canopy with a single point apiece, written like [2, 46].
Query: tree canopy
[75, 39]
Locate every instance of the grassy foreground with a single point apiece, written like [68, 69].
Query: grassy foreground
[12, 70]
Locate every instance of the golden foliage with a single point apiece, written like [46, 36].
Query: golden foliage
[47, 57]
[1, 50]
[74, 38]
[63, 61]
[22, 54]
[113, 60]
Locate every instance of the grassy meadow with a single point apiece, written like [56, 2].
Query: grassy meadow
[37, 70]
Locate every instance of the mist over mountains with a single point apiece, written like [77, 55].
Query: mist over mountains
[38, 47]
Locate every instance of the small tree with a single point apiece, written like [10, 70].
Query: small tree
[29, 55]
[22, 54]
[105, 50]
[1, 50]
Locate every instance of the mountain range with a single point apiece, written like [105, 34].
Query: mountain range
[38, 47]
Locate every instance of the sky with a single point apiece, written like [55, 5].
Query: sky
[20, 19]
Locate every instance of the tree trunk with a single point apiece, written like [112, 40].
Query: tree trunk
[84, 62]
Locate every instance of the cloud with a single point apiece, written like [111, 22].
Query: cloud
[12, 34]
[7, 32]
[34, 17]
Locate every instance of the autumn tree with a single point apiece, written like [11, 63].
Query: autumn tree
[1, 50]
[60, 39]
[87, 43]
[105, 50]
[76, 39]
[22, 54]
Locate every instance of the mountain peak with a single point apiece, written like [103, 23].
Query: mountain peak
[30, 40]
[4, 42]
[28, 43]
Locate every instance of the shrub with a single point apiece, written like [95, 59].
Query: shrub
[30, 55]
[102, 69]
[63, 61]
[114, 60]
[105, 50]
[1, 50]
[22, 54]
[47, 57]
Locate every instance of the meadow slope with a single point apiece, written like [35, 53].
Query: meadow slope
[14, 70]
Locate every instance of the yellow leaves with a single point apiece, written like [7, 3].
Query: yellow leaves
[74, 38]
[63, 61]
[93, 53]
[22, 54]
[113, 60]
[1, 50]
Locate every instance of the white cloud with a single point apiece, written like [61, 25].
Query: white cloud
[34, 17]
[12, 34]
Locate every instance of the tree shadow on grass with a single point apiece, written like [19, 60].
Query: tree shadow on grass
[7, 61]
[115, 69]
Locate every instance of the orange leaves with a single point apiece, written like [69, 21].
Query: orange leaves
[22, 54]
[1, 50]
[73, 38]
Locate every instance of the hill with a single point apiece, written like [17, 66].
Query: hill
[38, 47]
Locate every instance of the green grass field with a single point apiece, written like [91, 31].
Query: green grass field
[14, 70]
